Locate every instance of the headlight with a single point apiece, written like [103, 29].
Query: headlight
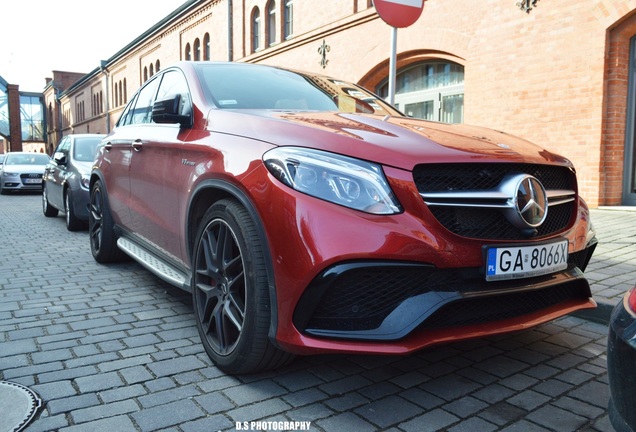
[85, 181]
[339, 179]
[10, 174]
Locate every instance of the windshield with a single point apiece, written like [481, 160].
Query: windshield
[84, 149]
[238, 86]
[26, 159]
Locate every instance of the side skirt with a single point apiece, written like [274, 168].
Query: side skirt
[156, 265]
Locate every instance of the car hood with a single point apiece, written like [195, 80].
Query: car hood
[401, 142]
[82, 167]
[36, 169]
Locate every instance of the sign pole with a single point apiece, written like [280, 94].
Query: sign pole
[397, 14]
[392, 66]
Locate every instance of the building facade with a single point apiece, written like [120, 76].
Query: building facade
[559, 74]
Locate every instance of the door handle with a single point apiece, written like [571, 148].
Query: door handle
[137, 145]
[108, 146]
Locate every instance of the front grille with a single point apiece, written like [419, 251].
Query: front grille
[486, 222]
[467, 177]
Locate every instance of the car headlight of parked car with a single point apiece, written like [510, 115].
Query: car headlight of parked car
[85, 181]
[342, 180]
[10, 174]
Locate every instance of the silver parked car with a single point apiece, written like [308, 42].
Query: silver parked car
[66, 178]
[22, 171]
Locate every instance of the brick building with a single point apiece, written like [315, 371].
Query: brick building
[555, 73]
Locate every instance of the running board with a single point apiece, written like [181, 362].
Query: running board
[156, 265]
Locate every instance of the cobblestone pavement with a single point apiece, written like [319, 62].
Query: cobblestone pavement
[112, 348]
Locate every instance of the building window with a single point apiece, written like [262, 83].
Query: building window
[289, 19]
[197, 50]
[206, 47]
[271, 23]
[188, 52]
[145, 73]
[432, 90]
[256, 29]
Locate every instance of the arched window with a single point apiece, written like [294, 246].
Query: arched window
[157, 66]
[288, 28]
[256, 29]
[271, 23]
[145, 73]
[151, 71]
[188, 52]
[197, 49]
[206, 47]
[116, 101]
[125, 92]
[433, 90]
[121, 94]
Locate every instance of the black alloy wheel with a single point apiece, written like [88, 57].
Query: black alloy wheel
[101, 228]
[231, 292]
[73, 223]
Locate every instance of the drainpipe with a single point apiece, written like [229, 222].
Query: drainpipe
[230, 32]
[106, 74]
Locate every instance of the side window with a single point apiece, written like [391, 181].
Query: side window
[174, 83]
[63, 148]
[142, 113]
[126, 116]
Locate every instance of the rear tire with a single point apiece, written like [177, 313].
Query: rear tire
[101, 228]
[230, 292]
[47, 208]
[73, 223]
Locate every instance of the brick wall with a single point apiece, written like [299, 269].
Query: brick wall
[556, 76]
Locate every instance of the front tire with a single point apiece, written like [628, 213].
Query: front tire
[101, 228]
[47, 208]
[73, 223]
[230, 292]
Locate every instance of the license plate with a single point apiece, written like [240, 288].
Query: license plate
[33, 181]
[512, 262]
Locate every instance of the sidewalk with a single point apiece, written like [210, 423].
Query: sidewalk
[612, 269]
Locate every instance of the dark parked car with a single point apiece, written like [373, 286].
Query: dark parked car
[66, 179]
[22, 171]
[621, 364]
[306, 215]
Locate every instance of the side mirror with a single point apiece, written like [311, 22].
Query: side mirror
[169, 111]
[59, 158]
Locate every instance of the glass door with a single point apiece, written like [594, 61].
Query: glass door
[629, 172]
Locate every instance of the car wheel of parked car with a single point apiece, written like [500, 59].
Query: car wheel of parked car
[230, 292]
[47, 208]
[73, 223]
[101, 228]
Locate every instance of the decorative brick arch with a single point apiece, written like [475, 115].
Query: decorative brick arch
[615, 110]
[381, 71]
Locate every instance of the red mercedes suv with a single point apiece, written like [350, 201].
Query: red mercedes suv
[306, 215]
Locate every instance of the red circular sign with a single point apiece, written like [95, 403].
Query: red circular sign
[399, 13]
